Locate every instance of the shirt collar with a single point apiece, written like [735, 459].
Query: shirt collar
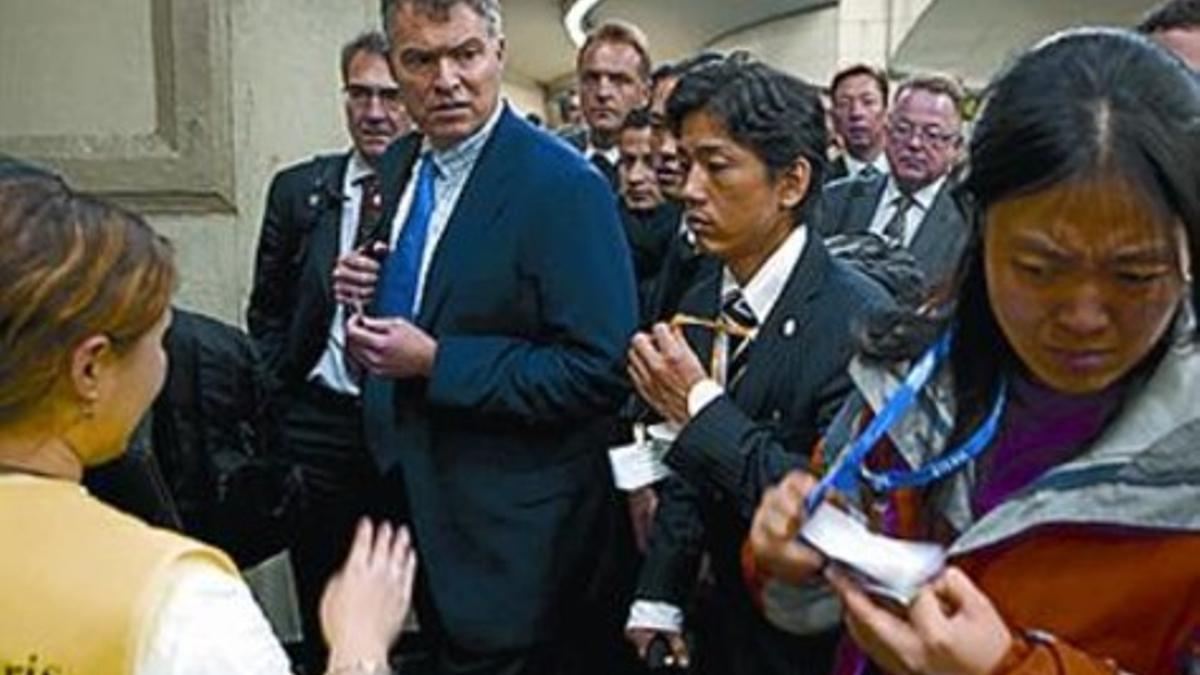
[357, 169]
[613, 154]
[462, 156]
[855, 166]
[922, 198]
[765, 287]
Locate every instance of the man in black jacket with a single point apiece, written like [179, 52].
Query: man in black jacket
[317, 211]
[755, 367]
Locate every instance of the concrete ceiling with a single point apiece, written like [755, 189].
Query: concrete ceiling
[975, 38]
[540, 50]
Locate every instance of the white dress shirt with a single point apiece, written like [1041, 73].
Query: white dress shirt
[330, 370]
[888, 202]
[855, 166]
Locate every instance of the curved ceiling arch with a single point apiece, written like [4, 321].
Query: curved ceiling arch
[539, 48]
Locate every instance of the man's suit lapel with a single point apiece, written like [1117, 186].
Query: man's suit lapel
[862, 200]
[776, 355]
[326, 199]
[485, 193]
[939, 235]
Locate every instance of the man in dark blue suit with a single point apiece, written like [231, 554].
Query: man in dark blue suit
[494, 319]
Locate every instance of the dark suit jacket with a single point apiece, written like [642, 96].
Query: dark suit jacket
[748, 438]
[837, 169]
[501, 451]
[849, 205]
[681, 267]
[291, 301]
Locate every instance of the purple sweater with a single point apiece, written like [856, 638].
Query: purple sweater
[1042, 428]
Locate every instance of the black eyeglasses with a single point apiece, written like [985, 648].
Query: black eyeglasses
[361, 94]
[902, 130]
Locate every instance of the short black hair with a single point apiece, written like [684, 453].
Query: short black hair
[638, 118]
[1171, 14]
[856, 70]
[777, 116]
[669, 70]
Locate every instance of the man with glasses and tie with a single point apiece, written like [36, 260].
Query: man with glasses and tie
[492, 330]
[754, 365]
[913, 207]
[317, 211]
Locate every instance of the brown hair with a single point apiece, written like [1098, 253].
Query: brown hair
[619, 32]
[71, 266]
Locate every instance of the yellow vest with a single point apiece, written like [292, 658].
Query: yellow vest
[79, 580]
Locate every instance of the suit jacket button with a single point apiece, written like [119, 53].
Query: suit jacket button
[776, 415]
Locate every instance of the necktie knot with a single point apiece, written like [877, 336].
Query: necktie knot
[737, 310]
[895, 230]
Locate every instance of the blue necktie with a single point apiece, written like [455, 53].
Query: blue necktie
[401, 271]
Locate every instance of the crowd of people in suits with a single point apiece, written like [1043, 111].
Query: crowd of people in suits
[599, 381]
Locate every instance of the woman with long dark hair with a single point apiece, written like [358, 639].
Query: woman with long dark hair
[1053, 450]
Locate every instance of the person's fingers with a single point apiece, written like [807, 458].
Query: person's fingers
[643, 379]
[360, 550]
[875, 624]
[640, 638]
[401, 554]
[955, 590]
[380, 325]
[384, 534]
[780, 518]
[925, 613]
[679, 649]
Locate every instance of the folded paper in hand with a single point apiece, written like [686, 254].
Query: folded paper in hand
[640, 463]
[892, 567]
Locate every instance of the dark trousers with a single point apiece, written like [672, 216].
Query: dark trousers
[590, 638]
[325, 438]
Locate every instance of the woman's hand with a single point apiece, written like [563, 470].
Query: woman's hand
[950, 628]
[365, 603]
[777, 522]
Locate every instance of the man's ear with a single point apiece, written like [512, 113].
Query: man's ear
[794, 183]
[88, 363]
[501, 49]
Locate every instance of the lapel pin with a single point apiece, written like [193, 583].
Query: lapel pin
[313, 200]
[789, 327]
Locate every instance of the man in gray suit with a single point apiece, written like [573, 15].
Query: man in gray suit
[913, 207]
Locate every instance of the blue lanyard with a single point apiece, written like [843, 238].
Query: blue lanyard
[849, 469]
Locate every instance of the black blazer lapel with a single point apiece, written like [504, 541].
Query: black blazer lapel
[776, 356]
[940, 238]
[326, 199]
[484, 194]
[861, 203]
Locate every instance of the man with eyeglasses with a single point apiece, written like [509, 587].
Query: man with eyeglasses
[317, 211]
[913, 207]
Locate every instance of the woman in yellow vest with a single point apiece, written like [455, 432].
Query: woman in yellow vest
[85, 292]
